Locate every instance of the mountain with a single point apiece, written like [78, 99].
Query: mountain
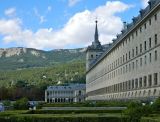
[21, 58]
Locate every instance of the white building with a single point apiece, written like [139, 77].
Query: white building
[130, 67]
[66, 93]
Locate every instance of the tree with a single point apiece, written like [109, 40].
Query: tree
[21, 104]
[156, 105]
[135, 111]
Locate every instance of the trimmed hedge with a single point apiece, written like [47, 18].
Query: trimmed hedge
[87, 104]
[150, 119]
[39, 118]
[72, 111]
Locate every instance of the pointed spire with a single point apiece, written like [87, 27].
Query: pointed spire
[96, 33]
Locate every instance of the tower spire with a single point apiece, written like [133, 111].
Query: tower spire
[96, 33]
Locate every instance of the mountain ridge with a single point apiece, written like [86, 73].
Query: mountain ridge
[20, 57]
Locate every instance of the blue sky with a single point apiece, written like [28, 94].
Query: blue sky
[54, 24]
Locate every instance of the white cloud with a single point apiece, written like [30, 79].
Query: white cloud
[10, 12]
[144, 3]
[41, 18]
[79, 30]
[49, 8]
[73, 2]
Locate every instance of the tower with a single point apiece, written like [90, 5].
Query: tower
[93, 51]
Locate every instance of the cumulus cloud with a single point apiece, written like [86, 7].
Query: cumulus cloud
[49, 8]
[73, 2]
[79, 30]
[144, 3]
[41, 18]
[10, 12]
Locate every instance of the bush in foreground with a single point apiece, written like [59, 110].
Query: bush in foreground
[21, 104]
[135, 111]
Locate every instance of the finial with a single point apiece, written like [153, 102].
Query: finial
[96, 31]
[96, 20]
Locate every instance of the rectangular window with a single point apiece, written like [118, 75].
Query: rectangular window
[136, 33]
[149, 21]
[140, 29]
[140, 48]
[118, 61]
[133, 53]
[140, 61]
[129, 67]
[136, 64]
[129, 84]
[155, 39]
[133, 65]
[123, 85]
[123, 58]
[145, 45]
[140, 82]
[145, 59]
[123, 70]
[156, 55]
[149, 80]
[136, 50]
[126, 57]
[129, 55]
[132, 84]
[136, 83]
[150, 43]
[145, 81]
[155, 17]
[150, 57]
[155, 78]
[132, 36]
[145, 26]
[126, 68]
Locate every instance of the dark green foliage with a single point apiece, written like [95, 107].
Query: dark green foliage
[88, 104]
[156, 105]
[6, 103]
[73, 111]
[135, 111]
[17, 116]
[21, 104]
[32, 82]
[66, 73]
[39, 118]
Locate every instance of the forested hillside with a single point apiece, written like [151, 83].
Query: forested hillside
[32, 82]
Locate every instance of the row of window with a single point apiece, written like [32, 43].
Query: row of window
[138, 63]
[135, 52]
[59, 92]
[132, 94]
[134, 65]
[134, 84]
[140, 29]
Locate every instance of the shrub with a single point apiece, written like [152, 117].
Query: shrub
[21, 104]
[135, 111]
[156, 105]
[6, 103]
[73, 111]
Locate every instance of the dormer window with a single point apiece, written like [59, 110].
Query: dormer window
[91, 56]
[149, 21]
[155, 17]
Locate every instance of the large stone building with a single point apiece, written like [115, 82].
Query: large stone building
[130, 67]
[65, 93]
